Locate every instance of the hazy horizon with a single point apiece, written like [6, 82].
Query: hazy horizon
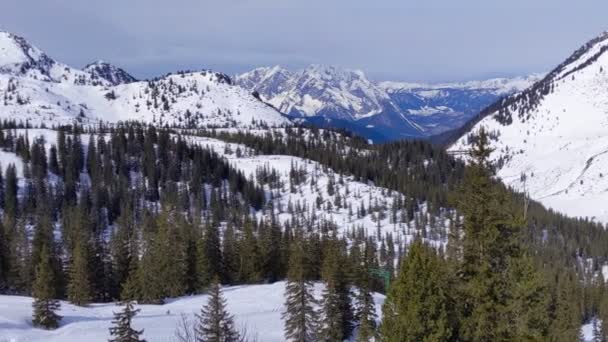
[433, 42]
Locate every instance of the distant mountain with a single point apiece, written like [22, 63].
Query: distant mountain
[109, 72]
[442, 107]
[552, 139]
[394, 110]
[40, 90]
[343, 96]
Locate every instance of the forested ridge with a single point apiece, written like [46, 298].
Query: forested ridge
[138, 213]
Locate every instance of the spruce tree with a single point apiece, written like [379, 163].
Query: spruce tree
[496, 284]
[366, 309]
[214, 323]
[300, 315]
[121, 330]
[45, 305]
[336, 306]
[565, 311]
[602, 319]
[417, 305]
[79, 288]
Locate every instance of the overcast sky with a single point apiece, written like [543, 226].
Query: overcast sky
[422, 40]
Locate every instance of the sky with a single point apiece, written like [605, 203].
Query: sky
[408, 40]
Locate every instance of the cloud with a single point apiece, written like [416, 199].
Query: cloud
[391, 39]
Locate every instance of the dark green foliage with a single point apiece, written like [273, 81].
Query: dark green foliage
[79, 289]
[121, 330]
[417, 307]
[300, 315]
[336, 306]
[502, 296]
[214, 323]
[45, 305]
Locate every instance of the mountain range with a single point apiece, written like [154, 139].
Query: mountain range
[384, 110]
[37, 89]
[40, 90]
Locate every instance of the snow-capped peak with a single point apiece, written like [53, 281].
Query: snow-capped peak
[19, 56]
[317, 90]
[40, 90]
[499, 86]
[111, 73]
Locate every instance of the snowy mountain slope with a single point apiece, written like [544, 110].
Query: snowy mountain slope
[159, 322]
[321, 195]
[347, 99]
[552, 138]
[337, 203]
[18, 58]
[109, 72]
[35, 88]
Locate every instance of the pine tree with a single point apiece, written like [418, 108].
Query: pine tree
[215, 324]
[336, 305]
[366, 310]
[122, 331]
[249, 269]
[162, 270]
[45, 305]
[495, 283]
[417, 305]
[79, 288]
[602, 319]
[4, 259]
[213, 252]
[300, 315]
[565, 310]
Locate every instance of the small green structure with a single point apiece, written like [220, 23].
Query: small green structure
[383, 274]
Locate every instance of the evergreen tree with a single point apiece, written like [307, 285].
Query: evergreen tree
[215, 324]
[417, 305]
[121, 330]
[79, 289]
[336, 306]
[565, 311]
[300, 315]
[249, 270]
[366, 309]
[45, 305]
[497, 292]
[602, 319]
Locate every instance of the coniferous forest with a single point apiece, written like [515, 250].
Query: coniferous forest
[140, 214]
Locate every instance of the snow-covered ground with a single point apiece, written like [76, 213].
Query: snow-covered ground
[340, 207]
[257, 308]
[560, 145]
[378, 201]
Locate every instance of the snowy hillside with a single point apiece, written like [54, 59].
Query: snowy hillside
[319, 195]
[395, 109]
[323, 195]
[552, 138]
[36, 88]
[262, 317]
